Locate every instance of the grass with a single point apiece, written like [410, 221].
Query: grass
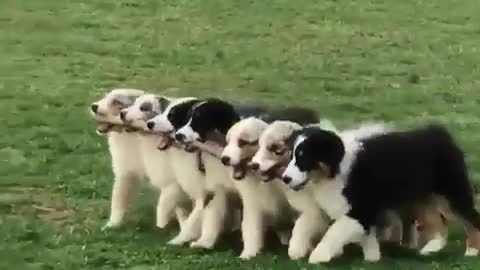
[408, 62]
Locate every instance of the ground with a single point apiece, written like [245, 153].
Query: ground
[408, 62]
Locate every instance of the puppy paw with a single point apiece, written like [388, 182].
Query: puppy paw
[178, 240]
[161, 223]
[372, 256]
[201, 244]
[433, 246]
[321, 254]
[296, 253]
[247, 255]
[111, 224]
[471, 252]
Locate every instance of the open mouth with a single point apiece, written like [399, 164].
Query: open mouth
[299, 186]
[103, 128]
[240, 170]
[189, 148]
[164, 142]
[272, 173]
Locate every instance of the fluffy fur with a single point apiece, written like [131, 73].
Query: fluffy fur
[170, 170]
[127, 159]
[221, 208]
[373, 168]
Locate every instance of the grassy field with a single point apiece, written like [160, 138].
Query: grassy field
[410, 62]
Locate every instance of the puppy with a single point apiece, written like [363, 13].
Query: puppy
[126, 153]
[223, 206]
[242, 144]
[173, 171]
[371, 170]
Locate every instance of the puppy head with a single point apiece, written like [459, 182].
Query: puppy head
[211, 115]
[313, 149]
[273, 149]
[144, 108]
[242, 143]
[108, 108]
[175, 115]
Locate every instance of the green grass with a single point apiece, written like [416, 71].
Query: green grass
[410, 62]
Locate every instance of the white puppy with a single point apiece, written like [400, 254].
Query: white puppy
[127, 156]
[170, 169]
[248, 137]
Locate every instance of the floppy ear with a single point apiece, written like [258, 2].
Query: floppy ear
[331, 151]
[163, 102]
[290, 141]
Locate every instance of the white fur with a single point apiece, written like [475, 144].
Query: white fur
[434, 245]
[174, 172]
[189, 133]
[310, 223]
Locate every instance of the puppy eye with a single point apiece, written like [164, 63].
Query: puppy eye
[116, 102]
[146, 107]
[279, 151]
[242, 143]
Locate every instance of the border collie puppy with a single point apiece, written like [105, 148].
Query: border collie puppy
[423, 163]
[273, 156]
[222, 208]
[242, 144]
[174, 171]
[127, 157]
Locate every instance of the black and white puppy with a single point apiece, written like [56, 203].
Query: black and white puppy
[422, 163]
[221, 208]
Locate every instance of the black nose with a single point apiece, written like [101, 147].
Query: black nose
[254, 166]
[287, 179]
[94, 108]
[122, 115]
[179, 137]
[150, 125]
[226, 160]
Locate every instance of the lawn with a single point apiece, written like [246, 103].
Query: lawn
[410, 62]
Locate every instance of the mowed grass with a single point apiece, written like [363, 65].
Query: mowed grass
[409, 62]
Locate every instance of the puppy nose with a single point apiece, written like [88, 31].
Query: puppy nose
[180, 137]
[150, 125]
[287, 179]
[254, 166]
[122, 115]
[94, 108]
[225, 160]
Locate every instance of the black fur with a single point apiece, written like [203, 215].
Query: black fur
[180, 114]
[216, 114]
[394, 170]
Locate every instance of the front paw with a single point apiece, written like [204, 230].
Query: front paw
[296, 253]
[178, 241]
[111, 224]
[247, 255]
[201, 244]
[321, 254]
[161, 223]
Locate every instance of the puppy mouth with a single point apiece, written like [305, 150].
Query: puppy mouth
[240, 170]
[189, 148]
[299, 186]
[272, 173]
[104, 128]
[164, 142]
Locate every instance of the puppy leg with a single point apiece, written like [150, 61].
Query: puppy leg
[283, 236]
[191, 228]
[213, 221]
[433, 229]
[343, 231]
[307, 227]
[370, 246]
[181, 214]
[168, 200]
[252, 231]
[123, 188]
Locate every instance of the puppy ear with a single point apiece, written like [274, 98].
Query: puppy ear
[332, 152]
[290, 141]
[163, 103]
